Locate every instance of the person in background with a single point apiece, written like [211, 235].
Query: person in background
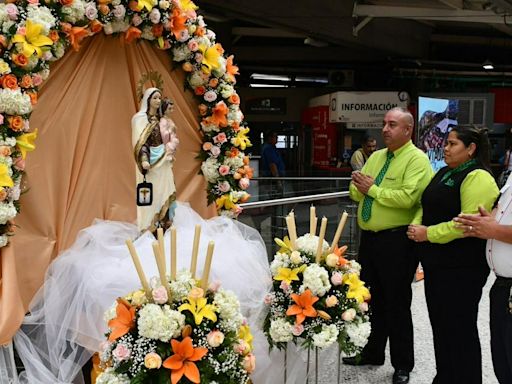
[454, 266]
[507, 167]
[496, 228]
[360, 156]
[272, 165]
[388, 190]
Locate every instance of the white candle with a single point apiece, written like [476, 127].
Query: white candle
[160, 237]
[173, 253]
[195, 250]
[321, 236]
[292, 231]
[207, 265]
[138, 268]
[339, 230]
[158, 258]
[312, 224]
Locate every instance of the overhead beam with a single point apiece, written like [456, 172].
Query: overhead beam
[455, 4]
[413, 13]
[265, 32]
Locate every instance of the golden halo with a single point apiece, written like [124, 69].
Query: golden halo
[155, 79]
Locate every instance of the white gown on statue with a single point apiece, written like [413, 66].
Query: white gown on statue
[66, 322]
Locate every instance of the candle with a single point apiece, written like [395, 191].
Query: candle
[292, 231]
[339, 230]
[207, 265]
[321, 236]
[160, 237]
[158, 258]
[173, 253]
[138, 268]
[195, 249]
[312, 224]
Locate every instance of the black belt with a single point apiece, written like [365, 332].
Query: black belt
[402, 228]
[503, 281]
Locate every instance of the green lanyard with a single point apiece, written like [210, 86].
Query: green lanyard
[447, 176]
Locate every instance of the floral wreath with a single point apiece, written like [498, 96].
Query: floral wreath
[33, 34]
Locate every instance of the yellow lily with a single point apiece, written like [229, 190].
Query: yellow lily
[245, 334]
[141, 4]
[211, 57]
[26, 142]
[241, 140]
[199, 309]
[187, 5]
[5, 179]
[33, 40]
[356, 288]
[285, 244]
[288, 275]
[226, 202]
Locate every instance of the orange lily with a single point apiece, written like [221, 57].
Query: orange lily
[76, 35]
[131, 34]
[231, 69]
[182, 362]
[303, 306]
[178, 21]
[219, 115]
[340, 252]
[124, 321]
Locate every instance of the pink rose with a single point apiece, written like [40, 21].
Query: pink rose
[1, 119]
[284, 286]
[119, 11]
[363, 307]
[33, 2]
[160, 295]
[183, 36]
[154, 16]
[297, 329]
[242, 347]
[136, 20]
[37, 80]
[215, 151]
[249, 363]
[210, 96]
[224, 186]
[193, 45]
[91, 12]
[215, 338]
[244, 183]
[220, 138]
[12, 11]
[214, 285]
[268, 299]
[198, 57]
[19, 164]
[121, 352]
[223, 170]
[336, 278]
[47, 56]
[349, 314]
[22, 31]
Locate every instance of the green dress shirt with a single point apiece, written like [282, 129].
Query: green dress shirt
[478, 188]
[397, 198]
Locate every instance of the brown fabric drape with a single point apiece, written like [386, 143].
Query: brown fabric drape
[83, 168]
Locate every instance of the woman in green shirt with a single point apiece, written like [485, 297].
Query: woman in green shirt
[455, 267]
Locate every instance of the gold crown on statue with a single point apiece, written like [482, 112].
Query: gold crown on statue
[154, 78]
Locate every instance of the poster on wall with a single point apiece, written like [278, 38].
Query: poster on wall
[435, 119]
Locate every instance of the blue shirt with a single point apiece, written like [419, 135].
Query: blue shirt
[269, 155]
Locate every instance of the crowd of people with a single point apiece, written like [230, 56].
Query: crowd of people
[408, 214]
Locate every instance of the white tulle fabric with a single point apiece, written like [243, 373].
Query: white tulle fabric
[65, 325]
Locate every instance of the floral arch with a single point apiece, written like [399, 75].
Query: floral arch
[34, 34]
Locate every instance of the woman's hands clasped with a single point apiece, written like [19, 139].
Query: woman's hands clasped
[417, 233]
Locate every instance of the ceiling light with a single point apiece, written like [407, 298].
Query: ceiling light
[487, 65]
[315, 42]
[263, 76]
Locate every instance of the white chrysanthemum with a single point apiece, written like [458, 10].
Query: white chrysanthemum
[316, 278]
[196, 79]
[119, 26]
[74, 12]
[109, 376]
[281, 331]
[228, 213]
[309, 244]
[8, 162]
[4, 67]
[4, 240]
[13, 102]
[226, 90]
[235, 115]
[210, 169]
[281, 260]
[181, 53]
[147, 34]
[58, 49]
[3, 14]
[182, 285]
[209, 127]
[110, 313]
[116, 2]
[227, 304]
[6, 26]
[221, 69]
[234, 162]
[8, 141]
[327, 336]
[237, 195]
[160, 323]
[7, 212]
[358, 332]
[355, 267]
[41, 15]
[15, 191]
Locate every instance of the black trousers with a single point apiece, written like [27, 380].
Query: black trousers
[501, 330]
[452, 296]
[388, 266]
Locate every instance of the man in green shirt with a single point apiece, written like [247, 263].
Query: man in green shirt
[388, 190]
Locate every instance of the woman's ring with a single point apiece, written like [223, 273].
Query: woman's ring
[470, 228]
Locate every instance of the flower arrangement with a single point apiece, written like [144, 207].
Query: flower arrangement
[34, 33]
[318, 298]
[176, 330]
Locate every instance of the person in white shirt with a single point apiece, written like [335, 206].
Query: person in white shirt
[496, 227]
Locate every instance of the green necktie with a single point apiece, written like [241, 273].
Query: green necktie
[366, 212]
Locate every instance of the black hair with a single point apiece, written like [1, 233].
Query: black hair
[268, 134]
[367, 138]
[166, 103]
[471, 134]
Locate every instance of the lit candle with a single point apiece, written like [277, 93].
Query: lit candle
[312, 224]
[339, 230]
[323, 227]
[173, 253]
[138, 268]
[160, 237]
[207, 265]
[195, 250]
[158, 258]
